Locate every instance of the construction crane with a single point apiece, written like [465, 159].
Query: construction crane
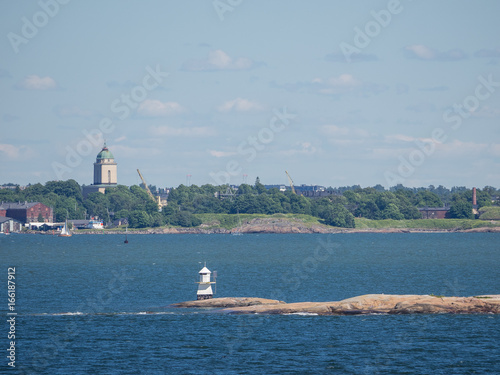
[291, 182]
[157, 201]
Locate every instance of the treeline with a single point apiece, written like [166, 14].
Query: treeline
[184, 202]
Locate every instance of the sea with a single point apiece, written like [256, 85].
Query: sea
[91, 304]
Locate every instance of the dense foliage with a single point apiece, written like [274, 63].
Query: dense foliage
[184, 202]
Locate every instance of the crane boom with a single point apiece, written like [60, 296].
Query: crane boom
[146, 186]
[291, 182]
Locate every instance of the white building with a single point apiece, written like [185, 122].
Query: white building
[205, 285]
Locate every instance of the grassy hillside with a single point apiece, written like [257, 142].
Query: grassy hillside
[437, 224]
[490, 213]
[230, 221]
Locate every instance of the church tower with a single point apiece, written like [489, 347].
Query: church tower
[105, 172]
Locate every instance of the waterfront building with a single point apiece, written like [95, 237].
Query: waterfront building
[9, 225]
[27, 212]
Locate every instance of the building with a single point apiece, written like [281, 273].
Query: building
[9, 225]
[27, 212]
[205, 285]
[105, 173]
[311, 191]
[434, 212]
[79, 224]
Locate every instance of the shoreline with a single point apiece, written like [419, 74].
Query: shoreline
[308, 225]
[360, 305]
[281, 231]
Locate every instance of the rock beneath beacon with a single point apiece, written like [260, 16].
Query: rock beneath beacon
[228, 302]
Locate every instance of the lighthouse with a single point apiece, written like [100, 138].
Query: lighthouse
[205, 285]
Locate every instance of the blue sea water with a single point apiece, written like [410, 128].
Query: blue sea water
[91, 304]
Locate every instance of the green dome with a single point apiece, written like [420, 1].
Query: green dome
[105, 154]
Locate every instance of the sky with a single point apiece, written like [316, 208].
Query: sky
[337, 93]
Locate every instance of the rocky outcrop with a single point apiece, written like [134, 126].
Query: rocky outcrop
[366, 304]
[228, 302]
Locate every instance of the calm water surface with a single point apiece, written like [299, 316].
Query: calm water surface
[93, 305]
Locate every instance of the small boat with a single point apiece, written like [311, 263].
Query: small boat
[126, 231]
[65, 232]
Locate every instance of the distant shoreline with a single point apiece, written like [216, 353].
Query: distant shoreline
[288, 224]
[281, 231]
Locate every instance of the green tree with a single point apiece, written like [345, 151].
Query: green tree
[184, 219]
[461, 209]
[244, 189]
[368, 210]
[338, 216]
[96, 204]
[157, 219]
[426, 198]
[68, 189]
[392, 212]
[139, 219]
[261, 189]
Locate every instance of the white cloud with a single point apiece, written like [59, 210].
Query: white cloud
[34, 82]
[486, 111]
[495, 149]
[170, 131]
[16, 153]
[342, 84]
[221, 154]
[157, 108]
[334, 130]
[421, 52]
[303, 148]
[399, 138]
[240, 105]
[218, 60]
[402, 138]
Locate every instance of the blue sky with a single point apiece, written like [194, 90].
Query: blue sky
[336, 92]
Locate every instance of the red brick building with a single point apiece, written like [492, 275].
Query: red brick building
[434, 212]
[27, 212]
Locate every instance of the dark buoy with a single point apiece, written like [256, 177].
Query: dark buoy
[126, 240]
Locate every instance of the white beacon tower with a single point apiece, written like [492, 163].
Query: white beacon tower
[205, 285]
